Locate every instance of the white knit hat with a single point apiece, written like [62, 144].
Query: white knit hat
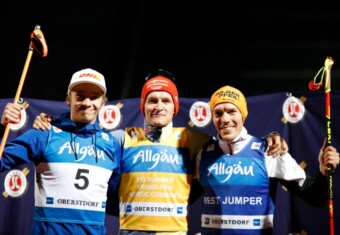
[87, 76]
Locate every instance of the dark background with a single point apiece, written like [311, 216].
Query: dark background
[205, 46]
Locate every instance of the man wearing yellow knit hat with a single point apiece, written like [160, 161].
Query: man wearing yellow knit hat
[237, 176]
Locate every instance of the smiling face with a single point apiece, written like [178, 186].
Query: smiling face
[159, 108]
[228, 122]
[85, 101]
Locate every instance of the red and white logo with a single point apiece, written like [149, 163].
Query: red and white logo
[15, 183]
[110, 117]
[293, 109]
[200, 114]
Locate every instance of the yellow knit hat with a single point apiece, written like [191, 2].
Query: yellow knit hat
[228, 94]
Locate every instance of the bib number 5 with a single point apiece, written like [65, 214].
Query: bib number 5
[83, 180]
